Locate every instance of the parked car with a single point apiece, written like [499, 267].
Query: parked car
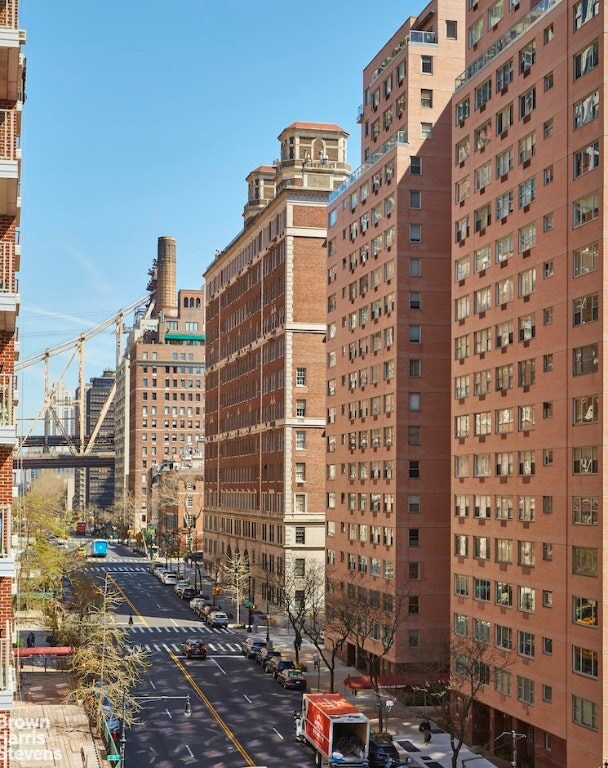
[160, 572]
[194, 649]
[381, 749]
[169, 578]
[156, 565]
[187, 593]
[292, 679]
[194, 557]
[217, 619]
[181, 584]
[264, 655]
[277, 664]
[251, 646]
[196, 603]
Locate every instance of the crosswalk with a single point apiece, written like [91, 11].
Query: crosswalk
[117, 569]
[187, 629]
[213, 648]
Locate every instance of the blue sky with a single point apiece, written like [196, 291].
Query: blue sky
[143, 118]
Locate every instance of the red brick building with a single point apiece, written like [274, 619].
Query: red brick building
[528, 367]
[265, 391]
[388, 328]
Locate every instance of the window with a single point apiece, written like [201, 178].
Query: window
[527, 148]
[526, 599]
[462, 308]
[584, 460]
[504, 421]
[527, 103]
[587, 109]
[481, 630]
[481, 589]
[415, 334]
[301, 408]
[463, 150]
[504, 637]
[548, 129]
[527, 238]
[300, 441]
[502, 681]
[548, 81]
[301, 539]
[586, 209]
[585, 611]
[526, 508]
[504, 294]
[482, 136]
[584, 11]
[504, 373]
[483, 176]
[504, 594]
[504, 119]
[586, 60]
[526, 461]
[527, 57]
[451, 30]
[527, 327]
[300, 472]
[495, 13]
[525, 644]
[415, 233]
[415, 199]
[414, 401]
[527, 192]
[527, 281]
[504, 248]
[475, 32]
[483, 341]
[547, 227]
[504, 205]
[504, 75]
[426, 130]
[482, 218]
[301, 377]
[461, 506]
[525, 689]
[584, 561]
[461, 347]
[300, 503]
[415, 166]
[426, 98]
[463, 110]
[461, 585]
[585, 309]
[482, 381]
[586, 159]
[461, 232]
[504, 551]
[426, 65]
[584, 712]
[526, 377]
[526, 554]
[460, 624]
[504, 162]
[585, 510]
[548, 34]
[483, 94]
[461, 388]
[585, 360]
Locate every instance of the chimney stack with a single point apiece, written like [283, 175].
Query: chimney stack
[166, 289]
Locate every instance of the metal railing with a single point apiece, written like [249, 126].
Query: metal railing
[398, 138]
[420, 36]
[513, 34]
[7, 267]
[7, 389]
[5, 662]
[8, 135]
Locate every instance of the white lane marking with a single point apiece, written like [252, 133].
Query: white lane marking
[210, 645]
[159, 606]
[278, 734]
[174, 622]
[223, 671]
[247, 699]
[152, 684]
[157, 647]
[169, 713]
[189, 750]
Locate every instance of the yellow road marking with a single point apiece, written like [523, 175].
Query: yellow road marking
[127, 601]
[212, 709]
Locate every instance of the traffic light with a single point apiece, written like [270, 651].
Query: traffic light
[217, 590]
[253, 607]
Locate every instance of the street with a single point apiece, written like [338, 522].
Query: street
[240, 715]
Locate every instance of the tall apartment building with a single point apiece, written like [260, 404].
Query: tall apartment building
[265, 310]
[160, 386]
[388, 289]
[94, 486]
[529, 575]
[12, 96]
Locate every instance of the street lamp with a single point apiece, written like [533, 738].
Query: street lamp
[268, 643]
[514, 737]
[123, 727]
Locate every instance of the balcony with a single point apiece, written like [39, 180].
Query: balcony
[10, 162]
[7, 557]
[7, 673]
[425, 38]
[8, 411]
[9, 296]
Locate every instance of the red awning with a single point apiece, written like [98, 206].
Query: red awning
[411, 681]
[51, 650]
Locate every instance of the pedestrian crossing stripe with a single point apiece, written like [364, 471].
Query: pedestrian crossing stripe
[231, 648]
[187, 629]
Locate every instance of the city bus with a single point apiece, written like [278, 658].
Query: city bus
[99, 548]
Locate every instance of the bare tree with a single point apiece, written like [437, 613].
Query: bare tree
[358, 615]
[472, 664]
[103, 661]
[235, 579]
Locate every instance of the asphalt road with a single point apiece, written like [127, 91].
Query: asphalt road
[240, 715]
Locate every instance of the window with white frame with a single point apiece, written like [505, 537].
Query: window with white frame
[504, 205]
[586, 209]
[587, 109]
[584, 11]
[586, 60]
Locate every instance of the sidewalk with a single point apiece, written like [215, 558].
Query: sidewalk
[44, 729]
[403, 721]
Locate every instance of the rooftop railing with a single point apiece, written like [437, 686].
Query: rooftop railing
[513, 34]
[399, 138]
[414, 36]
